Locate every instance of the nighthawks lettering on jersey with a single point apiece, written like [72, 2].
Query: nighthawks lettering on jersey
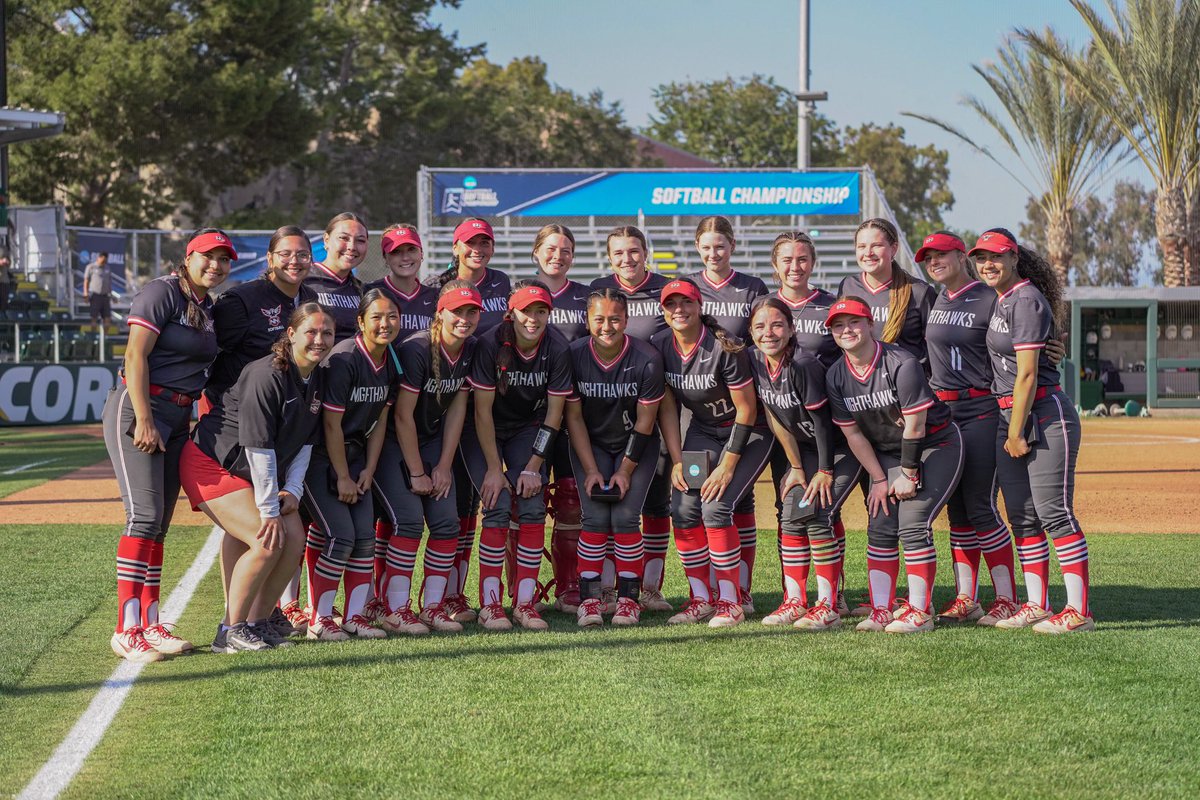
[606, 390]
[808, 320]
[569, 315]
[791, 393]
[729, 301]
[531, 378]
[436, 395]
[645, 310]
[634, 376]
[702, 379]
[340, 295]
[1022, 320]
[368, 394]
[956, 334]
[961, 319]
[416, 309]
[357, 387]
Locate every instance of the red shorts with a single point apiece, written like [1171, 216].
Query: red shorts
[203, 479]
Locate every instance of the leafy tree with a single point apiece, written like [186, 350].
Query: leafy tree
[1111, 239]
[1146, 73]
[166, 101]
[1063, 140]
[749, 122]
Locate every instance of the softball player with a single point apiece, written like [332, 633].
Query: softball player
[521, 379]
[820, 468]
[893, 423]
[628, 252]
[474, 244]
[554, 253]
[333, 282]
[708, 372]
[418, 489]
[1037, 440]
[146, 418]
[360, 382]
[611, 417]
[727, 297]
[417, 304]
[961, 377]
[244, 467]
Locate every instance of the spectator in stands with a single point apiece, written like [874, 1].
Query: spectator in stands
[97, 289]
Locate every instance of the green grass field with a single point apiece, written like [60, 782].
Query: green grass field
[656, 711]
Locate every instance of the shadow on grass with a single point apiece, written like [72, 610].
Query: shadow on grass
[1126, 609]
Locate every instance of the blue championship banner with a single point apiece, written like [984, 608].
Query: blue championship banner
[653, 193]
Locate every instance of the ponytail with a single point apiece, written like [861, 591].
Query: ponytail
[507, 335]
[900, 295]
[729, 342]
[194, 315]
[282, 348]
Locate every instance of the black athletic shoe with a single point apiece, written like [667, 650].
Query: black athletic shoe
[271, 635]
[220, 642]
[279, 622]
[244, 637]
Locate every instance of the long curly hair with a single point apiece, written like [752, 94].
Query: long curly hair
[1033, 267]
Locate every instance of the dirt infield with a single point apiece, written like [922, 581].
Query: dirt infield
[1134, 476]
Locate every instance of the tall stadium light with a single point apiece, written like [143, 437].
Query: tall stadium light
[805, 99]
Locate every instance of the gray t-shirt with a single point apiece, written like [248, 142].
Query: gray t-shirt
[97, 279]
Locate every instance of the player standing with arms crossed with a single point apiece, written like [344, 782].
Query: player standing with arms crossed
[910, 447]
[614, 438]
[146, 418]
[1037, 440]
[707, 372]
[961, 377]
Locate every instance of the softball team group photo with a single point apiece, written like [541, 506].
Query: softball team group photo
[342, 424]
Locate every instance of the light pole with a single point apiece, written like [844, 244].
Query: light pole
[805, 99]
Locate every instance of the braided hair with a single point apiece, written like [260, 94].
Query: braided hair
[1033, 267]
[506, 335]
[611, 294]
[772, 301]
[900, 292]
[282, 348]
[435, 328]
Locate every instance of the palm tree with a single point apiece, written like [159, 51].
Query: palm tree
[1145, 71]
[1063, 140]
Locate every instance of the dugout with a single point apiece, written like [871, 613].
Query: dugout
[1138, 344]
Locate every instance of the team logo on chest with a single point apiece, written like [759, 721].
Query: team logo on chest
[274, 317]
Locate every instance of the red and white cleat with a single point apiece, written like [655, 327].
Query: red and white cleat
[876, 621]
[324, 629]
[161, 639]
[528, 618]
[297, 617]
[1003, 608]
[375, 609]
[436, 618]
[963, 609]
[789, 611]
[628, 612]
[131, 645]
[694, 611]
[728, 614]
[910, 620]
[492, 618]
[1027, 616]
[653, 600]
[590, 613]
[746, 601]
[358, 626]
[403, 620]
[821, 617]
[1066, 621]
[459, 609]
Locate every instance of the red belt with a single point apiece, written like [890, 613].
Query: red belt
[168, 395]
[1043, 391]
[950, 395]
[930, 431]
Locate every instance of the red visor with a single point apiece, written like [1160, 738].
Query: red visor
[457, 298]
[850, 307]
[472, 228]
[210, 241]
[994, 242]
[942, 242]
[393, 239]
[685, 288]
[526, 296]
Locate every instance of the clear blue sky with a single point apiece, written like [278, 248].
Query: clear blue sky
[876, 58]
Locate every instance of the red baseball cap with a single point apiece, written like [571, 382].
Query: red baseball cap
[457, 298]
[851, 307]
[685, 288]
[994, 242]
[393, 239]
[528, 295]
[471, 228]
[210, 241]
[942, 242]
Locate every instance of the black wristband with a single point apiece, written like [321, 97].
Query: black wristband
[738, 438]
[636, 446]
[910, 453]
[543, 443]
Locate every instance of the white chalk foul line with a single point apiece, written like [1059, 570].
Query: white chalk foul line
[24, 467]
[62, 766]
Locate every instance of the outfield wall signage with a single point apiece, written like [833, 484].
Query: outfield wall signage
[54, 394]
[572, 194]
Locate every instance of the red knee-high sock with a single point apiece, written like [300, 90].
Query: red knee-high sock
[1034, 553]
[839, 534]
[629, 554]
[964, 548]
[724, 548]
[883, 565]
[827, 563]
[314, 542]
[996, 547]
[531, 541]
[383, 535]
[401, 559]
[590, 555]
[152, 586]
[920, 565]
[133, 562]
[794, 554]
[357, 583]
[492, 545]
[692, 545]
[462, 557]
[656, 540]
[747, 527]
[1072, 552]
[440, 556]
[323, 580]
